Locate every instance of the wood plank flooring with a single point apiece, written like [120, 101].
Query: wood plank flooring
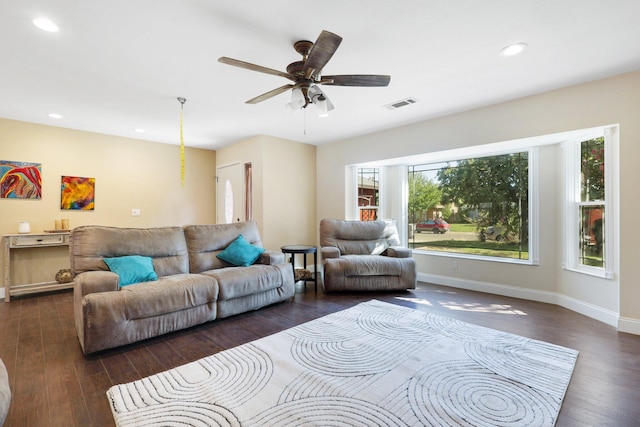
[53, 384]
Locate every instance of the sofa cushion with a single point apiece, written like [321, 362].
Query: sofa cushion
[132, 269]
[358, 237]
[168, 294]
[235, 282]
[89, 244]
[365, 265]
[240, 252]
[207, 241]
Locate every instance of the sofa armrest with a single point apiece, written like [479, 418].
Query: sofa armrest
[271, 257]
[330, 252]
[90, 282]
[399, 252]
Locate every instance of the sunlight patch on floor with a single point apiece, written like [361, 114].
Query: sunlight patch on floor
[483, 308]
[472, 307]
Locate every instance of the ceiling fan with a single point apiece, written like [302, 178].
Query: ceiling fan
[306, 75]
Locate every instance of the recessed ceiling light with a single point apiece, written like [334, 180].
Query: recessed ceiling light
[513, 49]
[139, 130]
[55, 115]
[46, 25]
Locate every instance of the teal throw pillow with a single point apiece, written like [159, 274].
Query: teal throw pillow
[240, 252]
[132, 269]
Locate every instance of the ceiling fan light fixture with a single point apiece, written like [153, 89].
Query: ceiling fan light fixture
[321, 106]
[297, 98]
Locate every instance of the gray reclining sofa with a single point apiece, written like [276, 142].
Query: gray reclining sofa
[193, 285]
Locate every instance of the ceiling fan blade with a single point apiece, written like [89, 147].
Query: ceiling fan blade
[254, 67]
[269, 94]
[366, 80]
[321, 52]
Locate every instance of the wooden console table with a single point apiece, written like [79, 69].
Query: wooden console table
[14, 242]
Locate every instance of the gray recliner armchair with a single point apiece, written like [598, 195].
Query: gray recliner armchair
[364, 256]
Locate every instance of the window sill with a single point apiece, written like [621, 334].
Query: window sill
[596, 272]
[478, 257]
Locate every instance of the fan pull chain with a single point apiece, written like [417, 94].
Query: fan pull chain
[181, 101]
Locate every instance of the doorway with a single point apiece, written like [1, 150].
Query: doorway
[229, 194]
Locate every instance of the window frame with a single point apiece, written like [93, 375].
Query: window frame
[573, 203]
[377, 171]
[533, 173]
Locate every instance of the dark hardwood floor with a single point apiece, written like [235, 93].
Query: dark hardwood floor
[53, 384]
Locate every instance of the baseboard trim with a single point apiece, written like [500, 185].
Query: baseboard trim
[629, 325]
[598, 313]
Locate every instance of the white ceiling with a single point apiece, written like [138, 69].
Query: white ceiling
[120, 64]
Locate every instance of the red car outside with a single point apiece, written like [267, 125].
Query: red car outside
[434, 225]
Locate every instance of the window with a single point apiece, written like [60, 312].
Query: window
[588, 229]
[484, 201]
[476, 206]
[368, 193]
[591, 206]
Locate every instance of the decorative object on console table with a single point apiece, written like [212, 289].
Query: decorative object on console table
[59, 226]
[13, 242]
[303, 274]
[24, 228]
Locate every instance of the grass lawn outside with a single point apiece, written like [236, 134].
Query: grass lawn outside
[488, 248]
[466, 228]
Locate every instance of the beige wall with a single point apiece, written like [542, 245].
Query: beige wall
[129, 174]
[608, 101]
[284, 178]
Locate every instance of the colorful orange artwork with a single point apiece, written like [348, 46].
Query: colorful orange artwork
[20, 180]
[77, 193]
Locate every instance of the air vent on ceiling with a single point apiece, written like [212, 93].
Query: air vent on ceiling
[401, 103]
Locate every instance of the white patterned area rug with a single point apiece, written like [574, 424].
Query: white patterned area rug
[375, 364]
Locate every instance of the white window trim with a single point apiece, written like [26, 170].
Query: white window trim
[534, 206]
[571, 251]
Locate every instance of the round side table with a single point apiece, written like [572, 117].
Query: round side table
[292, 250]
